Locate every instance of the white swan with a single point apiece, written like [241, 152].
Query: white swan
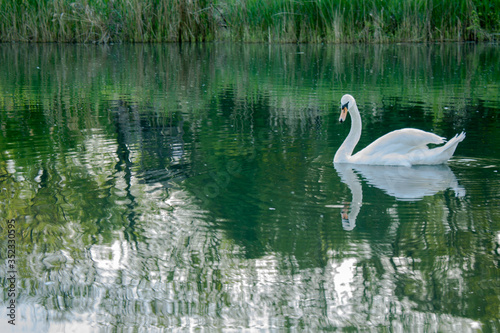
[405, 147]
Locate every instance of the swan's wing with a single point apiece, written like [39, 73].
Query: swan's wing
[400, 142]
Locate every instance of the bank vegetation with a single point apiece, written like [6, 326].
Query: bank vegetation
[285, 21]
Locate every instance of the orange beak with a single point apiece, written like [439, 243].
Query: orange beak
[343, 114]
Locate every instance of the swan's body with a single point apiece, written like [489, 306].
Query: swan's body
[406, 147]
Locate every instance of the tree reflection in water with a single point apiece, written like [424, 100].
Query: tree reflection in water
[192, 187]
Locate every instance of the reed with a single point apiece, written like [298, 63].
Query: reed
[367, 21]
[332, 21]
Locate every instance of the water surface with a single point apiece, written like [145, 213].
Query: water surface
[166, 187]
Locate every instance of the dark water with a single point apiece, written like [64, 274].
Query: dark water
[159, 188]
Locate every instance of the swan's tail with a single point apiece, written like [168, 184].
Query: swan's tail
[438, 155]
[452, 144]
[445, 152]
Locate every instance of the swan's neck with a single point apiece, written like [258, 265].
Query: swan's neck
[352, 209]
[345, 151]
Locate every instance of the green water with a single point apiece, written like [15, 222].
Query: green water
[160, 188]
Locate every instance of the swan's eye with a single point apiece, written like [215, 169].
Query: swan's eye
[346, 105]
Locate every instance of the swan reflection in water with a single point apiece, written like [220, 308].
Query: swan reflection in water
[403, 183]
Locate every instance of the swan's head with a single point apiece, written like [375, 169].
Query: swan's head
[346, 102]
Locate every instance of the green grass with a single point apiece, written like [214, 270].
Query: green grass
[331, 21]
